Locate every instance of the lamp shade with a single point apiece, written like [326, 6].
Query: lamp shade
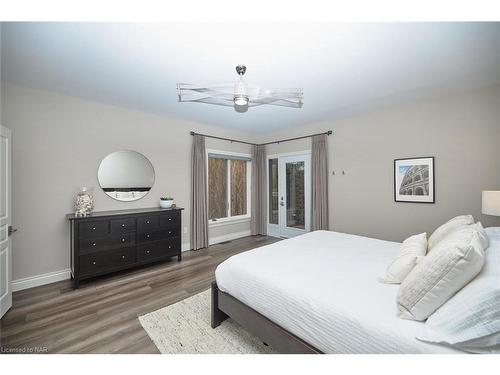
[491, 203]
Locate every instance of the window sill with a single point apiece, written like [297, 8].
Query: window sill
[229, 221]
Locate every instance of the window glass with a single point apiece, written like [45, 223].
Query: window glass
[238, 187]
[273, 191]
[217, 188]
[295, 199]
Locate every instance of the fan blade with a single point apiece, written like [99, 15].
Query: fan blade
[292, 93]
[278, 102]
[288, 97]
[210, 100]
[223, 94]
[188, 92]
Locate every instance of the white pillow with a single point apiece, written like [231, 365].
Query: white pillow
[483, 236]
[464, 233]
[441, 232]
[470, 320]
[411, 249]
[439, 275]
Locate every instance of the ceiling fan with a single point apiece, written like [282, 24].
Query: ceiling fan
[239, 95]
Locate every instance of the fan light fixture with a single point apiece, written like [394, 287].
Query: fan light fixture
[240, 100]
[239, 95]
[240, 88]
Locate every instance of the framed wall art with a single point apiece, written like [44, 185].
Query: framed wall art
[414, 180]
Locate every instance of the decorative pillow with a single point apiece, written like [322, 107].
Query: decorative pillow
[470, 320]
[448, 227]
[411, 249]
[439, 275]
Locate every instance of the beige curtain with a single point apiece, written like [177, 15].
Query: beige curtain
[259, 196]
[319, 175]
[199, 206]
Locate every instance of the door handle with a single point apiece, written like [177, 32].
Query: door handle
[282, 203]
[11, 230]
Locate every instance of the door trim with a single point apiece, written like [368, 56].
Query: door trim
[294, 153]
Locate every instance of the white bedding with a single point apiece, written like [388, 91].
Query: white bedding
[322, 287]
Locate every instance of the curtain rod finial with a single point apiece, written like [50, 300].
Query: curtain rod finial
[192, 133]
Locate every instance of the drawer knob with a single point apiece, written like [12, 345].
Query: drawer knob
[147, 235]
[169, 219]
[94, 263]
[147, 222]
[123, 256]
[123, 239]
[169, 232]
[93, 228]
[123, 225]
[169, 246]
[147, 251]
[93, 244]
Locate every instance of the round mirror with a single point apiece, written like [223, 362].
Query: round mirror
[126, 175]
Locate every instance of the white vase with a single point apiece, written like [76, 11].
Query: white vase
[166, 204]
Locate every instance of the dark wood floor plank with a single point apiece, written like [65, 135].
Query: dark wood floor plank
[102, 316]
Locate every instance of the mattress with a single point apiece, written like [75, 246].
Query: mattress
[322, 287]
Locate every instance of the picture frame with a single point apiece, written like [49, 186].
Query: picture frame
[414, 180]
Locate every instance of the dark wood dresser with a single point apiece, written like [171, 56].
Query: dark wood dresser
[110, 241]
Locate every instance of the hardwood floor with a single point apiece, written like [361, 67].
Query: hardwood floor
[101, 316]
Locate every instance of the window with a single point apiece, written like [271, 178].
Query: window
[228, 187]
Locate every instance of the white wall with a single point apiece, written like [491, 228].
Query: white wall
[1, 72]
[58, 143]
[462, 132]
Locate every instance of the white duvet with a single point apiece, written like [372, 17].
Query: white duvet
[322, 287]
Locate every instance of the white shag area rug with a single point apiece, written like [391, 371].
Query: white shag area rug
[184, 328]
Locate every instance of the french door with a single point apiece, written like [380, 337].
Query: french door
[289, 195]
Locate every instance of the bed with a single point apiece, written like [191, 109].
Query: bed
[317, 293]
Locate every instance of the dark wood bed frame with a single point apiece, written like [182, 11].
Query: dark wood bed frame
[224, 306]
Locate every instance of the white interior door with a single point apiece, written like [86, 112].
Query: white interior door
[289, 184]
[5, 221]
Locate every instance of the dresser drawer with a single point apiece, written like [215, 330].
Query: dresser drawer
[158, 249]
[106, 243]
[170, 219]
[172, 232]
[174, 245]
[106, 260]
[145, 223]
[92, 229]
[156, 235]
[122, 226]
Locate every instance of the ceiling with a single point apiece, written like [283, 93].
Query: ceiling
[343, 68]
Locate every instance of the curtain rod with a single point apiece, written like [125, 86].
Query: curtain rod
[329, 132]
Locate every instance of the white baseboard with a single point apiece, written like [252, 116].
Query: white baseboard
[52, 277]
[214, 240]
[228, 237]
[46, 278]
